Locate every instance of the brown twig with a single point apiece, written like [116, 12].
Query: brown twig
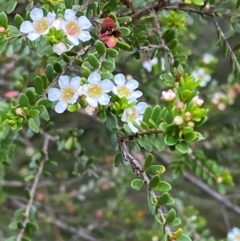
[34, 187]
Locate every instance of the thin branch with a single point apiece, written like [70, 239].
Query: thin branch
[160, 34]
[208, 12]
[34, 187]
[204, 187]
[233, 56]
[137, 167]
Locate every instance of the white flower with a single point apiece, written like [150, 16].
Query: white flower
[148, 64]
[201, 74]
[208, 58]
[76, 28]
[234, 234]
[169, 95]
[61, 48]
[134, 114]
[96, 90]
[67, 94]
[198, 101]
[89, 109]
[126, 88]
[39, 26]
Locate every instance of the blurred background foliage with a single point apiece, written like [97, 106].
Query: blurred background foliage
[82, 196]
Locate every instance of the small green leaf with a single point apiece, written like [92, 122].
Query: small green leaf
[170, 140]
[68, 4]
[4, 20]
[11, 6]
[33, 113]
[18, 20]
[108, 65]
[163, 186]
[113, 53]
[111, 121]
[113, 5]
[163, 199]
[31, 227]
[102, 115]
[100, 47]
[50, 73]
[124, 31]
[93, 61]
[31, 96]
[23, 100]
[85, 72]
[117, 159]
[156, 170]
[137, 184]
[123, 45]
[33, 125]
[182, 147]
[147, 114]
[154, 181]
[198, 2]
[38, 83]
[148, 162]
[184, 237]
[171, 216]
[13, 225]
[57, 67]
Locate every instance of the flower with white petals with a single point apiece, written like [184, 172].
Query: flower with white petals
[126, 88]
[134, 114]
[178, 120]
[61, 48]
[76, 28]
[201, 74]
[169, 95]
[234, 234]
[67, 94]
[97, 89]
[148, 64]
[39, 26]
[90, 109]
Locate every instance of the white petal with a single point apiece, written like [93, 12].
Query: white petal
[54, 94]
[94, 78]
[57, 23]
[132, 84]
[119, 79]
[74, 99]
[60, 107]
[107, 85]
[84, 89]
[75, 82]
[84, 36]
[92, 102]
[36, 14]
[154, 61]
[26, 27]
[124, 116]
[69, 15]
[141, 107]
[33, 36]
[136, 94]
[115, 90]
[147, 65]
[84, 22]
[73, 40]
[104, 99]
[63, 81]
[132, 128]
[51, 17]
[59, 48]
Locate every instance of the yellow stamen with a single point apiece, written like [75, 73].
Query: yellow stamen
[73, 29]
[67, 94]
[123, 91]
[41, 26]
[95, 91]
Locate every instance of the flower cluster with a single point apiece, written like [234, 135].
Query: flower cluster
[201, 74]
[188, 112]
[99, 92]
[75, 28]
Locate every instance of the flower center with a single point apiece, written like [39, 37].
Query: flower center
[123, 91]
[237, 237]
[67, 94]
[131, 115]
[41, 26]
[73, 29]
[95, 91]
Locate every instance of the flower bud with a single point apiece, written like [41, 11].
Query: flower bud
[169, 95]
[178, 120]
[198, 101]
[19, 111]
[180, 105]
